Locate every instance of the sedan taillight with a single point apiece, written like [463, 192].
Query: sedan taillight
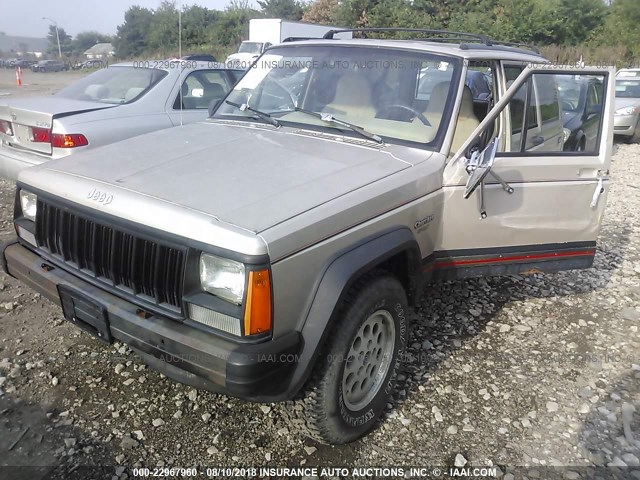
[58, 140]
[68, 140]
[40, 135]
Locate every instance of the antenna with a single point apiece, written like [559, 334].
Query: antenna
[180, 54]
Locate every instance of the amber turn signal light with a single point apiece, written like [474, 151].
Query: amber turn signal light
[257, 312]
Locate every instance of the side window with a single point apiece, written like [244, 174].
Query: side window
[517, 110]
[479, 80]
[200, 88]
[593, 95]
[599, 90]
[516, 107]
[235, 75]
[546, 113]
[547, 98]
[532, 125]
[215, 77]
[532, 111]
[511, 72]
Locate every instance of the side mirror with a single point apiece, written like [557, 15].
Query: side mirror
[213, 105]
[479, 166]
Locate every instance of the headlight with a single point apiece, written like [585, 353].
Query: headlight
[626, 111]
[566, 133]
[28, 204]
[224, 278]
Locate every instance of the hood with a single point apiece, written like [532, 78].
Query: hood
[249, 176]
[626, 102]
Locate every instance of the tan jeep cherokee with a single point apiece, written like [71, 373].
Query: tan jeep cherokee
[272, 252]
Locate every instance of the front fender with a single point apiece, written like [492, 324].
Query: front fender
[342, 271]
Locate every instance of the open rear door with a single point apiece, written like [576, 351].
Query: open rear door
[540, 206]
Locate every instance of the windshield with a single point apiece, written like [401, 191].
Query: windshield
[393, 94]
[628, 88]
[250, 47]
[570, 90]
[114, 85]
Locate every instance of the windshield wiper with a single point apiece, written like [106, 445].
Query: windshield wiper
[264, 116]
[327, 117]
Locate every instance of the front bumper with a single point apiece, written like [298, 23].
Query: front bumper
[624, 124]
[13, 161]
[256, 372]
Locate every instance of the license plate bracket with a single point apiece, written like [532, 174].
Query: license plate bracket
[85, 313]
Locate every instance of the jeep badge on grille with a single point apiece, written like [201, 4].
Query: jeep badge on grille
[100, 197]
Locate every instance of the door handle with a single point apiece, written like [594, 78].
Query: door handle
[597, 192]
[537, 140]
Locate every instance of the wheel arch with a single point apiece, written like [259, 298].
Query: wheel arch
[395, 251]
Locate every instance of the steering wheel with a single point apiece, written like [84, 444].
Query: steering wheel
[416, 113]
[293, 99]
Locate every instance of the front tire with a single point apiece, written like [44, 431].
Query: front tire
[356, 373]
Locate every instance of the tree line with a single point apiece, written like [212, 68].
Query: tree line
[74, 47]
[576, 26]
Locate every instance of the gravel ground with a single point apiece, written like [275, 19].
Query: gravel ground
[537, 371]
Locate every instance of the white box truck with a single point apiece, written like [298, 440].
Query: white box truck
[264, 32]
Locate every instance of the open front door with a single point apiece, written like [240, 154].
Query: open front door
[540, 205]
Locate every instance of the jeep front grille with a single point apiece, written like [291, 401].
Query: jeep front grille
[141, 267]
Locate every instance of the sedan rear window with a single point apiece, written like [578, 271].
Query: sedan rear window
[115, 85]
[628, 88]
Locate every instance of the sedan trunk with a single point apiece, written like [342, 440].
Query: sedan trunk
[25, 114]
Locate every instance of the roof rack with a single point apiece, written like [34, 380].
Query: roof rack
[298, 39]
[460, 37]
[516, 45]
[482, 38]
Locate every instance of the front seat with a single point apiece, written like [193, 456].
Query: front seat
[437, 100]
[353, 97]
[96, 91]
[467, 121]
[212, 91]
[132, 93]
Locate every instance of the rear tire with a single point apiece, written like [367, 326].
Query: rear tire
[355, 376]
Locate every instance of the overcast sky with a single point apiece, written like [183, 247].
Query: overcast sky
[24, 17]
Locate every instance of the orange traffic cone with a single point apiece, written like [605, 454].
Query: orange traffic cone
[18, 76]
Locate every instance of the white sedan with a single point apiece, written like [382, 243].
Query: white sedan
[111, 104]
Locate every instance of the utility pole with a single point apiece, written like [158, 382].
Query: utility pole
[55, 24]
